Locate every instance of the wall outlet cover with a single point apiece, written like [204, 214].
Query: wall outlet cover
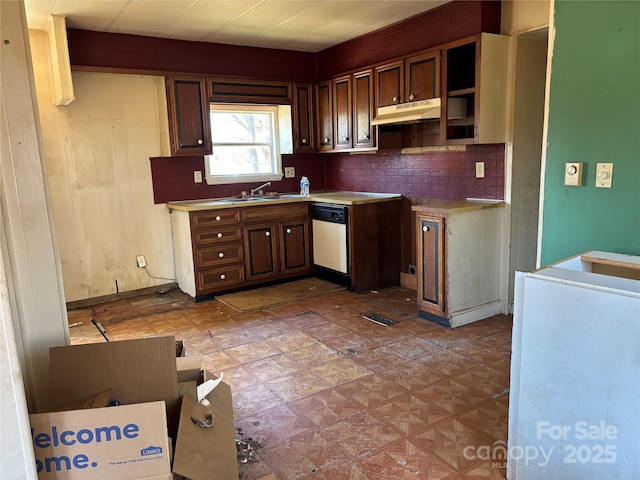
[604, 175]
[479, 169]
[289, 172]
[197, 176]
[140, 260]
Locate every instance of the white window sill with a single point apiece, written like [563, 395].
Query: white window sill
[259, 177]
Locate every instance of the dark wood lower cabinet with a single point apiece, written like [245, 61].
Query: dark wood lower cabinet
[259, 244]
[294, 246]
[228, 249]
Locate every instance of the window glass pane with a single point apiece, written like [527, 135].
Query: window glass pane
[241, 127]
[240, 160]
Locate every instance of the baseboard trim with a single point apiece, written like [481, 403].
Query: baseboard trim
[88, 302]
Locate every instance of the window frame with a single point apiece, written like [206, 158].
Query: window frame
[276, 175]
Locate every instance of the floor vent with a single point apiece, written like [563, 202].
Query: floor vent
[379, 319]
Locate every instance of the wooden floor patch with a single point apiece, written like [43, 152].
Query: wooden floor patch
[266, 297]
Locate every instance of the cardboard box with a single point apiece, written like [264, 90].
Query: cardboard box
[147, 370]
[136, 371]
[205, 453]
[124, 442]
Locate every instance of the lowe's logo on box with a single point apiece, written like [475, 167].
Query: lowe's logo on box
[150, 450]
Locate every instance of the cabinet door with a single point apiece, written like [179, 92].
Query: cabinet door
[303, 124]
[342, 112]
[423, 77]
[294, 246]
[389, 84]
[189, 125]
[431, 254]
[324, 114]
[259, 245]
[363, 110]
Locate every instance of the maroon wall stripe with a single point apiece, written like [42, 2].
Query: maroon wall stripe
[447, 23]
[135, 52]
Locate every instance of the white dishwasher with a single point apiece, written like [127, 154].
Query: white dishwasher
[331, 242]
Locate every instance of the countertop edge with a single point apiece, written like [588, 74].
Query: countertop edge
[323, 197]
[454, 208]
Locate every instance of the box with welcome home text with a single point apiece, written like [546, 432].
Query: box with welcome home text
[124, 442]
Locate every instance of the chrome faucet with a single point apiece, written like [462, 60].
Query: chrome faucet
[254, 190]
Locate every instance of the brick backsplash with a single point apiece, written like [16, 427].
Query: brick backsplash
[441, 173]
[173, 178]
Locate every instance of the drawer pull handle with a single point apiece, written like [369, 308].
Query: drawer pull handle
[304, 140]
[395, 99]
[219, 235]
[218, 218]
[411, 97]
[223, 276]
[425, 229]
[288, 230]
[221, 254]
[326, 140]
[200, 142]
[268, 234]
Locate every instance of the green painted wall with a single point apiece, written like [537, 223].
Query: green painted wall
[594, 116]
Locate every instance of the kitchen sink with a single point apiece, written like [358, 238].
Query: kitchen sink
[258, 198]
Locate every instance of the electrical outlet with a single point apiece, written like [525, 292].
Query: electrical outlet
[197, 176]
[479, 169]
[289, 172]
[141, 261]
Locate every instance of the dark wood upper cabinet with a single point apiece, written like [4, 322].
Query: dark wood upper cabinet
[342, 112]
[240, 90]
[389, 84]
[422, 79]
[324, 115]
[188, 108]
[303, 118]
[363, 132]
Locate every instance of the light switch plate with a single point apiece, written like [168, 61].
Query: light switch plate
[197, 176]
[479, 169]
[289, 172]
[604, 175]
[573, 174]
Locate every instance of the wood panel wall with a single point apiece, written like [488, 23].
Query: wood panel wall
[99, 178]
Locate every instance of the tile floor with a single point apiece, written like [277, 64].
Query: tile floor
[327, 394]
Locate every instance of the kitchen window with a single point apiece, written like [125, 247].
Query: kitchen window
[247, 143]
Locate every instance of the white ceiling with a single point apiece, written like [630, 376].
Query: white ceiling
[301, 25]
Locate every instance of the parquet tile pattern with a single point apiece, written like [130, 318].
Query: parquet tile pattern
[330, 395]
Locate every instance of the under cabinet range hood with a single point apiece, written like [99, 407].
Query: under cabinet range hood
[416, 111]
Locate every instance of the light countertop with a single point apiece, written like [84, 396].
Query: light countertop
[435, 205]
[336, 197]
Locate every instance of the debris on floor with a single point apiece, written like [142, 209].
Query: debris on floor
[350, 352]
[247, 450]
[379, 319]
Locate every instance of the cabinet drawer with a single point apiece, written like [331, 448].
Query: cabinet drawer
[219, 255]
[217, 235]
[211, 218]
[219, 278]
[271, 213]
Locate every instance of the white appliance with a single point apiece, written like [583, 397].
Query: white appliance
[574, 407]
[331, 242]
